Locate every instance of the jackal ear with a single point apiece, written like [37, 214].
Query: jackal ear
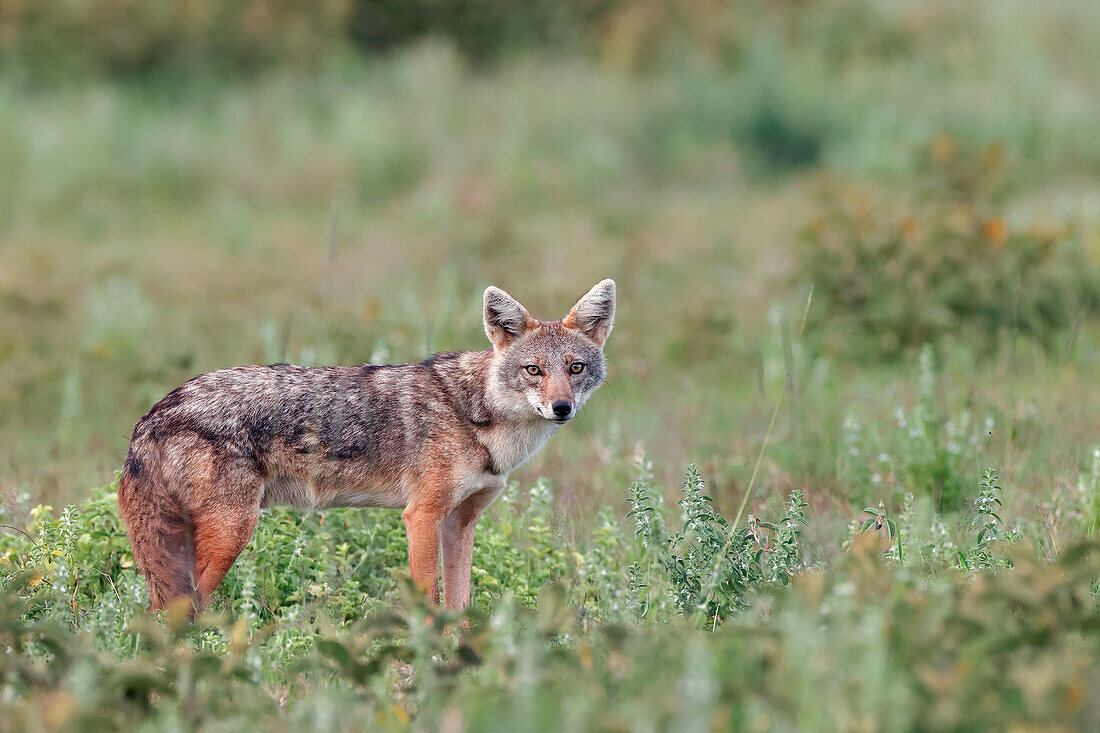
[594, 314]
[505, 319]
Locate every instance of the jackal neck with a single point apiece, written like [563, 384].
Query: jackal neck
[463, 376]
[502, 421]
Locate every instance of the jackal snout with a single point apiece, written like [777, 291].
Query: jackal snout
[557, 399]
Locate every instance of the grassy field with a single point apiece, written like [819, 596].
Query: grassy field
[856, 246]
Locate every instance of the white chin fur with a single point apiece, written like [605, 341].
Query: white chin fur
[536, 402]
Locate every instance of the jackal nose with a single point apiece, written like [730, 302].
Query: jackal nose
[562, 409]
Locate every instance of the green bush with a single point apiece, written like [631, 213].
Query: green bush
[56, 38]
[480, 29]
[927, 451]
[889, 277]
[708, 569]
[865, 642]
[925, 621]
[342, 562]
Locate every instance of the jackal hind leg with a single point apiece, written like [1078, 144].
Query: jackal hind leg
[223, 527]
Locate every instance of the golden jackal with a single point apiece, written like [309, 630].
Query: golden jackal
[436, 439]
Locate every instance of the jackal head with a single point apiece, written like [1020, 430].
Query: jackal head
[547, 368]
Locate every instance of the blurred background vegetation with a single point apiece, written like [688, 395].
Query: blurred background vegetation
[857, 247]
[189, 185]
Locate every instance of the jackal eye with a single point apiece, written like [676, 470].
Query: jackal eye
[576, 367]
[533, 370]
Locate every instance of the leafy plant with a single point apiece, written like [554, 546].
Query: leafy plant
[856, 640]
[892, 276]
[988, 523]
[708, 568]
[929, 451]
[879, 521]
[1088, 490]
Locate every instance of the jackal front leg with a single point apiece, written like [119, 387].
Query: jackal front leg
[458, 547]
[423, 525]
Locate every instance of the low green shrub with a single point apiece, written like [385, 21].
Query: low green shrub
[339, 562]
[480, 29]
[891, 276]
[708, 568]
[52, 38]
[861, 643]
[686, 623]
[929, 450]
[342, 563]
[1088, 494]
[922, 541]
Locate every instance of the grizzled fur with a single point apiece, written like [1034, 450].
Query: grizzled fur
[436, 439]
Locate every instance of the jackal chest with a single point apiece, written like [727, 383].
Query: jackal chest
[510, 445]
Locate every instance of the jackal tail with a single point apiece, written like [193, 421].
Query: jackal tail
[160, 531]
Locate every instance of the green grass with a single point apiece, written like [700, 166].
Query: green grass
[150, 231]
[924, 621]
